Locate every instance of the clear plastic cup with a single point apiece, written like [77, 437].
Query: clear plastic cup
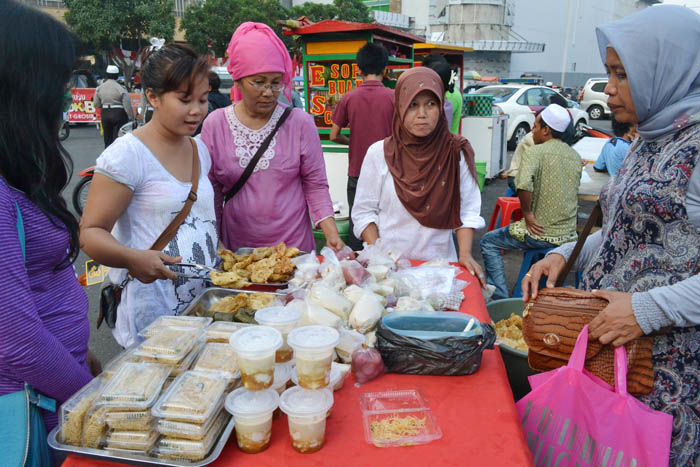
[256, 347]
[283, 319]
[306, 412]
[313, 351]
[252, 414]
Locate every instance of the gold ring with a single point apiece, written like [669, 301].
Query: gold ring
[528, 275]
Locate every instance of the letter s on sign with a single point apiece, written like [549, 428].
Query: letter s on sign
[318, 105]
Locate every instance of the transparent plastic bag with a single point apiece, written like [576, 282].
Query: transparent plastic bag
[316, 314]
[354, 273]
[331, 272]
[367, 364]
[306, 267]
[379, 254]
[366, 312]
[331, 300]
[421, 282]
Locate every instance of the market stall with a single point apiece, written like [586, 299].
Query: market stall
[329, 51]
[476, 415]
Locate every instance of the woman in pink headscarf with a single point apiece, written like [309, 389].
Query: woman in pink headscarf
[289, 180]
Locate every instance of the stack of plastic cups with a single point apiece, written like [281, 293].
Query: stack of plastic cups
[252, 405]
[307, 405]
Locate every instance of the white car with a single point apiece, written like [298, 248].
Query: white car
[521, 102]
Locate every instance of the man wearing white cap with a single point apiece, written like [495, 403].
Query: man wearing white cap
[547, 185]
[115, 103]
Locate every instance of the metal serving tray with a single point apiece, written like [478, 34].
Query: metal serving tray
[212, 295]
[133, 459]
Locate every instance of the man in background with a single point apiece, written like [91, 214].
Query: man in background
[547, 184]
[368, 110]
[115, 103]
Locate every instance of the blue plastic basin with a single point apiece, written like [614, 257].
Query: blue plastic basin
[430, 324]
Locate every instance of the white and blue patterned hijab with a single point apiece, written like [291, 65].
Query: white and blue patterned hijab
[659, 49]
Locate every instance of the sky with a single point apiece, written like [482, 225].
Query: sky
[694, 4]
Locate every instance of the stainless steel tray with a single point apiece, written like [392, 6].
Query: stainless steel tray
[212, 295]
[131, 459]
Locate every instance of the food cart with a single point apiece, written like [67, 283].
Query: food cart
[453, 54]
[329, 51]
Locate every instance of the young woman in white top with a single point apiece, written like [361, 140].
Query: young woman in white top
[141, 183]
[419, 185]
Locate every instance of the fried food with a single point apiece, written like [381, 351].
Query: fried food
[264, 265]
[510, 332]
[258, 301]
[228, 280]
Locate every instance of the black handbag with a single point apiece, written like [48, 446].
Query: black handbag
[111, 295]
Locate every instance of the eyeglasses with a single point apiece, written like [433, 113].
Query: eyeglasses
[262, 87]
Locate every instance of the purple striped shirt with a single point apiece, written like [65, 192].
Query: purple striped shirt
[44, 327]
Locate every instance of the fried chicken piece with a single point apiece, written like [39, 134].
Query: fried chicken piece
[229, 280]
[284, 266]
[258, 301]
[229, 258]
[292, 252]
[262, 252]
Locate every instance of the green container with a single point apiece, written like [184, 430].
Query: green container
[343, 230]
[481, 173]
[515, 360]
[480, 105]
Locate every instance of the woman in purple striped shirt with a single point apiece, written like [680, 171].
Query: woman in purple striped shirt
[44, 327]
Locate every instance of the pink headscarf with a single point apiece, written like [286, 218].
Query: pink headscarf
[255, 48]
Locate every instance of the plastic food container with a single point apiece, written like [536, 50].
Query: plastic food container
[114, 365]
[337, 377]
[136, 440]
[283, 373]
[221, 331]
[256, 347]
[72, 412]
[398, 418]
[306, 412]
[313, 351]
[141, 420]
[189, 450]
[252, 415]
[349, 341]
[283, 319]
[219, 358]
[136, 386]
[169, 345]
[94, 427]
[180, 321]
[193, 397]
[186, 363]
[184, 430]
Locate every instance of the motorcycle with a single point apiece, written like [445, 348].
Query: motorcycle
[80, 192]
[64, 129]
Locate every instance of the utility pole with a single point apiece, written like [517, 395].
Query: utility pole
[566, 44]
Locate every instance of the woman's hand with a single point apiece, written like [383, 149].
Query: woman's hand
[474, 268]
[93, 363]
[335, 242]
[550, 266]
[616, 324]
[330, 231]
[148, 265]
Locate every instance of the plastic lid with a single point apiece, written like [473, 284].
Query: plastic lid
[299, 402]
[283, 371]
[313, 338]
[243, 402]
[278, 316]
[255, 340]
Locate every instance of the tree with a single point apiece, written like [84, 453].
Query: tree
[352, 10]
[108, 24]
[209, 25]
[315, 12]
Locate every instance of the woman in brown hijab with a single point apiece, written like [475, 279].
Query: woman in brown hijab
[419, 185]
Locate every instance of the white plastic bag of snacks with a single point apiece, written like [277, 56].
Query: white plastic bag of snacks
[331, 300]
[316, 314]
[366, 312]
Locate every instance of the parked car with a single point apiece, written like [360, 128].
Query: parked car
[226, 79]
[594, 100]
[521, 102]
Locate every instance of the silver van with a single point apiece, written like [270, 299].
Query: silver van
[594, 100]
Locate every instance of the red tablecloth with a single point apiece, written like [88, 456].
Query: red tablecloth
[477, 415]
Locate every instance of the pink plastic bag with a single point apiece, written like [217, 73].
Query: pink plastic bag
[570, 418]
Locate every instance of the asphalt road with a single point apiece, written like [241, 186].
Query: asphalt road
[85, 145]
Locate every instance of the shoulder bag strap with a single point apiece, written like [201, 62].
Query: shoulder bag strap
[592, 219]
[170, 231]
[254, 161]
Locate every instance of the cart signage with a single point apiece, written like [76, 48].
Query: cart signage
[328, 82]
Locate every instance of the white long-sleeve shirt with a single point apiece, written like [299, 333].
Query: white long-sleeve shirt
[376, 202]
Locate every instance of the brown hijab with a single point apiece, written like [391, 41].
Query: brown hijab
[426, 170]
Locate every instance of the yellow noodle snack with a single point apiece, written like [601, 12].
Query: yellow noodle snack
[135, 386]
[136, 440]
[141, 420]
[184, 449]
[510, 332]
[192, 397]
[218, 358]
[73, 411]
[94, 427]
[395, 427]
[169, 344]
